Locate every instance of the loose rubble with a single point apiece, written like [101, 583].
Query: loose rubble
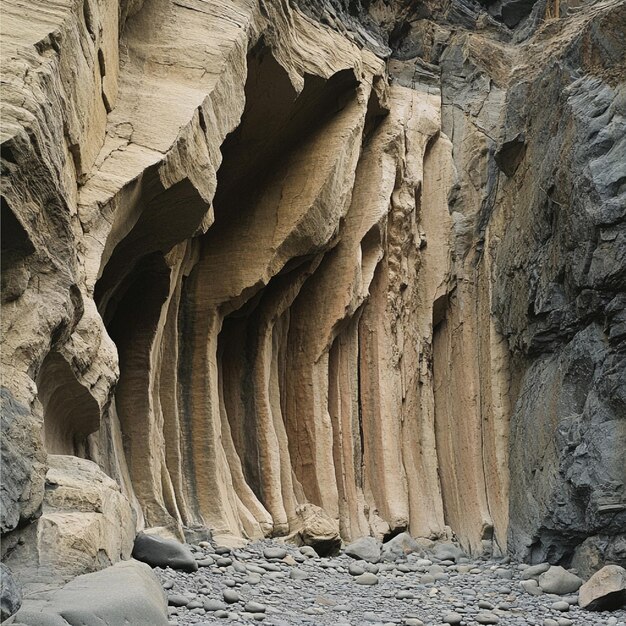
[282, 585]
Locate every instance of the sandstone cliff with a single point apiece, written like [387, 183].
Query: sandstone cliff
[260, 258]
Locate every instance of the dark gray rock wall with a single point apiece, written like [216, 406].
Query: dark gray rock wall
[10, 593]
[560, 293]
[16, 462]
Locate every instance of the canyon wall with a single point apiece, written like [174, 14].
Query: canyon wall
[362, 263]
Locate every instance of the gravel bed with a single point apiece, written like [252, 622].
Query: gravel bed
[279, 585]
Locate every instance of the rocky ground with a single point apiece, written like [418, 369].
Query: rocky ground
[282, 585]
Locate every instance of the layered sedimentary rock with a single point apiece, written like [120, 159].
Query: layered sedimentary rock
[269, 269]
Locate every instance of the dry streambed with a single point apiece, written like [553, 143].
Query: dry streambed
[281, 585]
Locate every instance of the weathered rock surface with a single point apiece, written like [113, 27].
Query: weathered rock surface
[605, 590]
[86, 524]
[592, 553]
[10, 593]
[126, 593]
[316, 529]
[320, 270]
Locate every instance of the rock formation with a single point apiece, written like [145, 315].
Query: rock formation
[339, 268]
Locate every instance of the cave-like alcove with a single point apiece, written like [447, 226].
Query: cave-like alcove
[70, 412]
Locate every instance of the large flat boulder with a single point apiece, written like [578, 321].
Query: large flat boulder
[605, 590]
[126, 593]
[86, 524]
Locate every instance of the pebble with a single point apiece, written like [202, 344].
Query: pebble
[367, 578]
[231, 596]
[298, 574]
[561, 605]
[194, 604]
[355, 570]
[213, 605]
[308, 551]
[274, 553]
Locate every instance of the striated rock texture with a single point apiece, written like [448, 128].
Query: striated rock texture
[312, 270]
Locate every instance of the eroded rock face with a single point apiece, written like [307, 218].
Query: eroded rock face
[126, 593]
[86, 524]
[10, 593]
[339, 271]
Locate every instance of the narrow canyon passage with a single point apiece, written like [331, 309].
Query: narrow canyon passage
[312, 271]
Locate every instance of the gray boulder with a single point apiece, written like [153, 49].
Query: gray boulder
[275, 553]
[126, 593]
[559, 581]
[159, 552]
[399, 547]
[448, 552]
[10, 593]
[366, 548]
[531, 586]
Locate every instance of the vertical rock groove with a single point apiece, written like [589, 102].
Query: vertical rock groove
[262, 267]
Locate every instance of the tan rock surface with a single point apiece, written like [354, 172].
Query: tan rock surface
[260, 276]
[86, 524]
[605, 590]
